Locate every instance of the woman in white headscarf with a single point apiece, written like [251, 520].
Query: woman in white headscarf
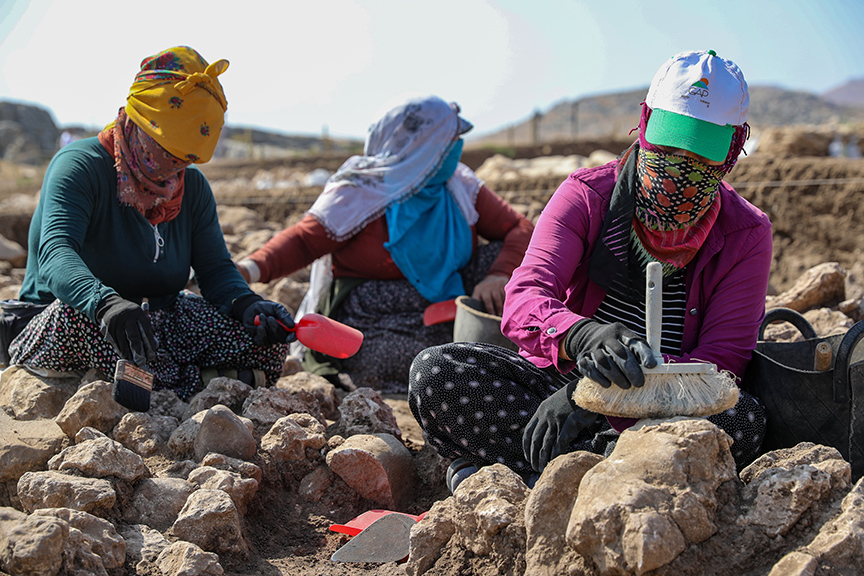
[393, 231]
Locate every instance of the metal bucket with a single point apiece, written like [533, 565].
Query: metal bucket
[474, 324]
[806, 404]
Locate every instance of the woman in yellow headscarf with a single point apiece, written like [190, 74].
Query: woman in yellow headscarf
[121, 220]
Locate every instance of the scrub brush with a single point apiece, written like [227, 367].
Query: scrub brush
[671, 388]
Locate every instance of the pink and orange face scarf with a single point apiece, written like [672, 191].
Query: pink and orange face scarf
[676, 204]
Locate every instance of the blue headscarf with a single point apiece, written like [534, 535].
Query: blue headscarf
[410, 172]
[430, 241]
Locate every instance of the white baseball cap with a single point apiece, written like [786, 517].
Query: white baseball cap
[697, 100]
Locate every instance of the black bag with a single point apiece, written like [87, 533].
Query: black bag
[805, 404]
[14, 316]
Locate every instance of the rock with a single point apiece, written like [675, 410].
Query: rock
[141, 433]
[315, 484]
[265, 406]
[376, 466]
[241, 489]
[224, 432]
[238, 219]
[166, 403]
[225, 391]
[363, 411]
[824, 458]
[157, 502]
[101, 458]
[210, 520]
[822, 285]
[31, 545]
[93, 545]
[92, 405]
[51, 489]
[654, 496]
[480, 530]
[143, 545]
[27, 445]
[182, 440]
[839, 544]
[323, 391]
[289, 292]
[429, 536]
[547, 512]
[28, 397]
[828, 322]
[241, 467]
[290, 436]
[187, 559]
[12, 252]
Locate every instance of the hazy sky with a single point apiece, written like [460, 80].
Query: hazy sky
[298, 65]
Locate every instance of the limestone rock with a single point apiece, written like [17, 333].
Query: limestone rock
[12, 252]
[101, 458]
[241, 467]
[289, 437]
[210, 520]
[143, 545]
[323, 391]
[187, 559]
[28, 397]
[225, 391]
[822, 285]
[265, 406]
[27, 445]
[31, 545]
[241, 489]
[93, 545]
[157, 502]
[480, 530]
[364, 411]
[224, 432]
[92, 405]
[143, 433]
[652, 497]
[51, 489]
[547, 513]
[182, 440]
[377, 466]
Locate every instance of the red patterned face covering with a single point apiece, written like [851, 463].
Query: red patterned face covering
[676, 205]
[148, 177]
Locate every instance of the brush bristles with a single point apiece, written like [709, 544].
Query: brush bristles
[662, 396]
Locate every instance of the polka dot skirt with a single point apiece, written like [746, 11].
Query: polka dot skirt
[474, 400]
[192, 335]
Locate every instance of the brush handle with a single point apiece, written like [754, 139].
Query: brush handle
[654, 307]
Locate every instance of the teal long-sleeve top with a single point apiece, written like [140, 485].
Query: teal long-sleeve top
[83, 245]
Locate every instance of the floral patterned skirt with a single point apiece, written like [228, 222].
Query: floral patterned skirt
[192, 335]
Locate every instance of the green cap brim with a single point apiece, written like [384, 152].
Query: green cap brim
[698, 136]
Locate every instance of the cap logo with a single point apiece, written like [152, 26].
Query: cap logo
[699, 88]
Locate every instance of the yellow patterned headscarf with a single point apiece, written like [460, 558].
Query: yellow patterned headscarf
[177, 99]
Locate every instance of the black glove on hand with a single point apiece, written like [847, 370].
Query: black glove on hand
[126, 327]
[267, 322]
[609, 353]
[554, 426]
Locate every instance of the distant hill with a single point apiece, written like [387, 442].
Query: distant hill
[614, 115]
[849, 94]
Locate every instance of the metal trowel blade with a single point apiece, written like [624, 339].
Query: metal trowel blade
[385, 540]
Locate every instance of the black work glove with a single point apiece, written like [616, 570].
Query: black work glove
[554, 426]
[609, 353]
[127, 328]
[267, 322]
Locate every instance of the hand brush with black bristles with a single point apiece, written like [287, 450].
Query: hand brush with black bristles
[671, 388]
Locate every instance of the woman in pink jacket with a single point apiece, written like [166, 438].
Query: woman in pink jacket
[577, 300]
